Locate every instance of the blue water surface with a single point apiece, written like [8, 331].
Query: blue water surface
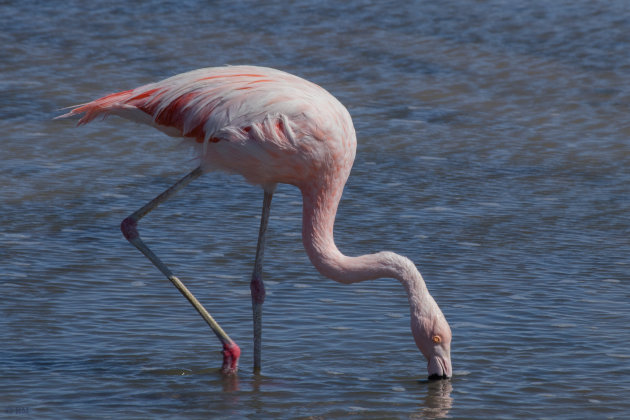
[493, 151]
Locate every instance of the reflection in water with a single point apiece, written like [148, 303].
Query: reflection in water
[437, 402]
[230, 383]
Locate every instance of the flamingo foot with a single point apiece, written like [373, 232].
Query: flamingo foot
[231, 353]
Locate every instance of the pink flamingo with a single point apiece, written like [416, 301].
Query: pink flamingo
[271, 127]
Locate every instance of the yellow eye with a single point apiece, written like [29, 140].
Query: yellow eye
[436, 339]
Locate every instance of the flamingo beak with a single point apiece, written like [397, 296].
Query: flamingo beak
[439, 367]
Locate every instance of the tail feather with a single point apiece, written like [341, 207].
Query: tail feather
[102, 106]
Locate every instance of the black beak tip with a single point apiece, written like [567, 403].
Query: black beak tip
[436, 377]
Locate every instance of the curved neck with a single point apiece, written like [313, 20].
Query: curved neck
[318, 218]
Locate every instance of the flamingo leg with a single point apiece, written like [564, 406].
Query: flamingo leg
[231, 351]
[257, 286]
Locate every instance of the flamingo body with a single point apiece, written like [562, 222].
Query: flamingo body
[273, 127]
[265, 124]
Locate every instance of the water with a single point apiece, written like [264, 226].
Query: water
[493, 151]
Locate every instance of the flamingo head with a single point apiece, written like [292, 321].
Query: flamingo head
[432, 335]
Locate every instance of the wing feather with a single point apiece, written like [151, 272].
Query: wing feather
[274, 113]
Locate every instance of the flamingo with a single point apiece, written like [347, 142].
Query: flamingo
[271, 127]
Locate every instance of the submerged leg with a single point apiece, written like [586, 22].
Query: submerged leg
[231, 351]
[257, 286]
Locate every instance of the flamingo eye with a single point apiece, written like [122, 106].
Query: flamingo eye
[436, 339]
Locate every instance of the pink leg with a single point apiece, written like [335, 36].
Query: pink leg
[231, 351]
[257, 286]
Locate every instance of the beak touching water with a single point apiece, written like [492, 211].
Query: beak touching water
[439, 367]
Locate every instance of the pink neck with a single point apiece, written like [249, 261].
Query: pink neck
[318, 218]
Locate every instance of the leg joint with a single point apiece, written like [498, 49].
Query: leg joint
[129, 228]
[257, 288]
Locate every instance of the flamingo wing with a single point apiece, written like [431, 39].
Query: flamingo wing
[274, 114]
[206, 103]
